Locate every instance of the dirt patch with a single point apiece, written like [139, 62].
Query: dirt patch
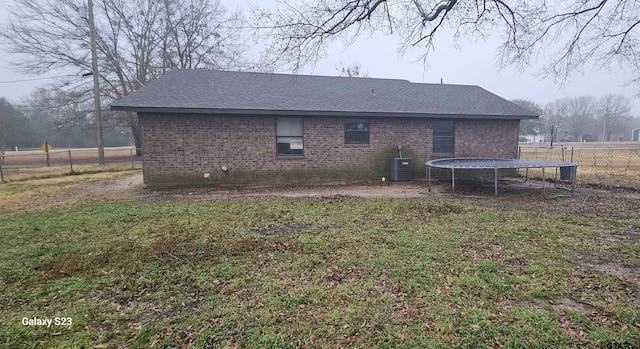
[512, 195]
[563, 304]
[123, 188]
[528, 196]
[126, 188]
[630, 274]
[330, 192]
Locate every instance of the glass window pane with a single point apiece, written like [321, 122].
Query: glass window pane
[289, 127]
[443, 145]
[290, 145]
[356, 125]
[443, 128]
[352, 137]
[443, 136]
[356, 131]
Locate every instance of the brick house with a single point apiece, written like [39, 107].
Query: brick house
[238, 127]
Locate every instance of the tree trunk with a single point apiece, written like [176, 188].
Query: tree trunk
[608, 138]
[2, 150]
[136, 132]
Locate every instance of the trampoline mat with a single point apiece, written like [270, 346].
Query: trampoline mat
[477, 163]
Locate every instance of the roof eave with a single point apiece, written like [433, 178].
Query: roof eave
[164, 110]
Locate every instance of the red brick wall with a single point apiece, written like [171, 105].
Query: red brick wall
[176, 146]
[487, 138]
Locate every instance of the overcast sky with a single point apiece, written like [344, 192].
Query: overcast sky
[471, 63]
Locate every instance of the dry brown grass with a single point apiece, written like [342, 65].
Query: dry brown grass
[28, 173]
[33, 194]
[32, 164]
[60, 157]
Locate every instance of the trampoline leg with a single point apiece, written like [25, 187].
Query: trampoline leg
[544, 186]
[453, 180]
[495, 181]
[574, 174]
[429, 178]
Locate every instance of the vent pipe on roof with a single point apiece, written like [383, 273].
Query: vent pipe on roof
[441, 82]
[373, 92]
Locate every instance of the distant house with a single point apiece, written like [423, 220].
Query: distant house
[534, 138]
[589, 137]
[205, 126]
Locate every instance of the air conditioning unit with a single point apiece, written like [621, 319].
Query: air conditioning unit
[401, 170]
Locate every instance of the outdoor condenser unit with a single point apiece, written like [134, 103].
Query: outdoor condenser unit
[400, 169]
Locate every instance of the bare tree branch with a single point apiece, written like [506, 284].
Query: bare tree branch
[137, 41]
[579, 31]
[612, 112]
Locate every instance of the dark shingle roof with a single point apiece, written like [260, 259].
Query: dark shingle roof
[210, 91]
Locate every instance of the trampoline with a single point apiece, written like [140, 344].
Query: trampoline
[567, 169]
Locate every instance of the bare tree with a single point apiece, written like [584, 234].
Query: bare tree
[599, 31]
[555, 114]
[8, 120]
[352, 71]
[64, 111]
[580, 115]
[613, 111]
[196, 31]
[530, 126]
[137, 41]
[4, 135]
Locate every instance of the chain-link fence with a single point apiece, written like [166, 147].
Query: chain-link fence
[25, 164]
[607, 164]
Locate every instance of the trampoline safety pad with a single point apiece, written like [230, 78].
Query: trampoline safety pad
[454, 164]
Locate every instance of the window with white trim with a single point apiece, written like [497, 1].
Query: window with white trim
[289, 139]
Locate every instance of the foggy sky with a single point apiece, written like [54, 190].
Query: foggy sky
[471, 63]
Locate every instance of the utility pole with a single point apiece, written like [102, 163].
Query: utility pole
[96, 82]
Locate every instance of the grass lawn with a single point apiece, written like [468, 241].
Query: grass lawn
[329, 272]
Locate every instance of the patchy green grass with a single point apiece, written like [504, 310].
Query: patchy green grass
[283, 273]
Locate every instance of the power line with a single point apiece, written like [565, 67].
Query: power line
[34, 79]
